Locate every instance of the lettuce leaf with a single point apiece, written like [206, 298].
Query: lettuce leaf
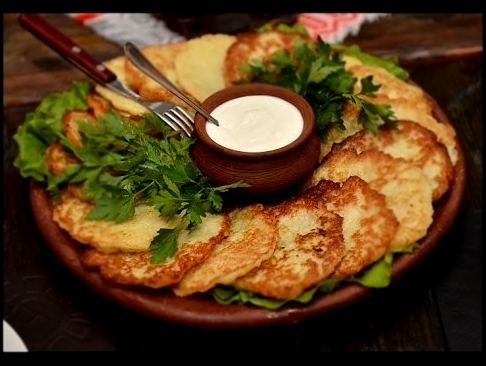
[298, 28]
[44, 126]
[377, 275]
[389, 65]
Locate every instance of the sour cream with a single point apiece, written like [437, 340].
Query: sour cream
[255, 123]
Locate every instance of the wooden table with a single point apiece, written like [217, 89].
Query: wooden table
[434, 307]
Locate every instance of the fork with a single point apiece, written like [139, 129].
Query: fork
[171, 113]
[137, 58]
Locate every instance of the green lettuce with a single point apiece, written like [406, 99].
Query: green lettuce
[44, 126]
[298, 28]
[390, 65]
[377, 275]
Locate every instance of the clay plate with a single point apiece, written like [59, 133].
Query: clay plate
[205, 312]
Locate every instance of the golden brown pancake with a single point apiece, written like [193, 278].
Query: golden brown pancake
[252, 240]
[350, 61]
[390, 85]
[368, 224]
[133, 235]
[408, 101]
[70, 126]
[124, 105]
[58, 158]
[407, 110]
[117, 66]
[76, 189]
[199, 66]
[254, 46]
[406, 188]
[136, 269]
[335, 135]
[309, 248]
[98, 105]
[162, 57]
[412, 142]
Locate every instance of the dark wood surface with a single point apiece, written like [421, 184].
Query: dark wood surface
[434, 307]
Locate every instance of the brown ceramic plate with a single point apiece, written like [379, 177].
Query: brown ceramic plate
[205, 312]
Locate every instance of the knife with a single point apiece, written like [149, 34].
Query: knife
[73, 53]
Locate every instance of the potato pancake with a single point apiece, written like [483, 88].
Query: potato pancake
[124, 105]
[98, 105]
[252, 240]
[368, 224]
[136, 269]
[58, 158]
[134, 235]
[199, 66]
[350, 61]
[390, 85]
[414, 143]
[408, 101]
[117, 66]
[406, 188]
[335, 135]
[70, 126]
[406, 109]
[162, 57]
[254, 46]
[309, 248]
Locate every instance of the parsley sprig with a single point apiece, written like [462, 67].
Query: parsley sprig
[317, 73]
[125, 164]
[121, 164]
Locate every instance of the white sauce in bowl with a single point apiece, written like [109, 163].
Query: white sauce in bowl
[255, 123]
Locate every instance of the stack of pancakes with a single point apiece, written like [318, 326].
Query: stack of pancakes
[369, 194]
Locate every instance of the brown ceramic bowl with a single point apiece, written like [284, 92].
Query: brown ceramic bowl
[269, 173]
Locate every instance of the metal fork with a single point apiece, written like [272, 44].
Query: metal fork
[172, 114]
[143, 64]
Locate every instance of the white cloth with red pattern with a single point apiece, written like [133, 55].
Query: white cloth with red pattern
[335, 27]
[143, 29]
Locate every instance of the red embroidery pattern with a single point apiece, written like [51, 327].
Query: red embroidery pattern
[331, 26]
[83, 17]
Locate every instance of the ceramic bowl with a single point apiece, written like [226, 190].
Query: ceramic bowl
[270, 173]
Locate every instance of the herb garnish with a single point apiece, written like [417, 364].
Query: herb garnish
[122, 164]
[317, 73]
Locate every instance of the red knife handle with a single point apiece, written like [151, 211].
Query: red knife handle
[65, 47]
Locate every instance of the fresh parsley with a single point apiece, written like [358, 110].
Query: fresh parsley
[316, 72]
[121, 164]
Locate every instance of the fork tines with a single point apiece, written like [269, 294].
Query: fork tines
[179, 117]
